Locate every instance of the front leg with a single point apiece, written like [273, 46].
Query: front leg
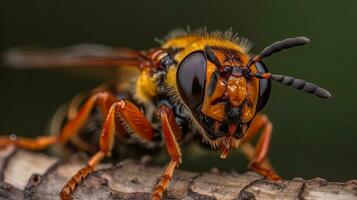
[258, 156]
[171, 133]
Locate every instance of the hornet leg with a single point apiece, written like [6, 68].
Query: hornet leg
[102, 99]
[171, 133]
[258, 157]
[129, 114]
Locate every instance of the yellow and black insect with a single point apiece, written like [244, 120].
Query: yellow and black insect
[194, 83]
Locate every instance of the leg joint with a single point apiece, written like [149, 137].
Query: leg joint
[119, 105]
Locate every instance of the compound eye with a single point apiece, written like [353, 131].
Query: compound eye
[190, 79]
[264, 87]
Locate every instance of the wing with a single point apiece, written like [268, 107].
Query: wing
[83, 55]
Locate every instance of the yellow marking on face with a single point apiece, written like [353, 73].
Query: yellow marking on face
[236, 90]
[214, 111]
[252, 96]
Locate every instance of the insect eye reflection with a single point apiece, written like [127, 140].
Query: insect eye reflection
[264, 87]
[190, 78]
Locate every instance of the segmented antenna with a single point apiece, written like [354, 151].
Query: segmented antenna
[296, 83]
[284, 44]
[278, 46]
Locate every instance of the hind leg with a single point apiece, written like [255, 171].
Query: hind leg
[36, 143]
[102, 99]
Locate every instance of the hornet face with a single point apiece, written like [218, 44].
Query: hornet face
[219, 90]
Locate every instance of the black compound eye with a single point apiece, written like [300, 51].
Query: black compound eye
[190, 79]
[264, 87]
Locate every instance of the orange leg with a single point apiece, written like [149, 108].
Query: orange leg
[70, 111]
[258, 157]
[103, 99]
[100, 98]
[129, 114]
[171, 133]
[37, 143]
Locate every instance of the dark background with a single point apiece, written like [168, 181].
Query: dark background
[312, 137]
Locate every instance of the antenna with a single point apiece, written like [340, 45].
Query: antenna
[295, 83]
[278, 46]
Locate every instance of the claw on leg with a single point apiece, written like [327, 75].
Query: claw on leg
[80, 176]
[74, 182]
[165, 178]
[268, 173]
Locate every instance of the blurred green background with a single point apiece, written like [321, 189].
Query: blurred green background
[312, 137]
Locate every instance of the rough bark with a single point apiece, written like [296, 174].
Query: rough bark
[28, 175]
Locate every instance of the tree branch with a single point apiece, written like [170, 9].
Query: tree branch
[28, 175]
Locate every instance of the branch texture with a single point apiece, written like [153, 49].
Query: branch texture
[27, 175]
